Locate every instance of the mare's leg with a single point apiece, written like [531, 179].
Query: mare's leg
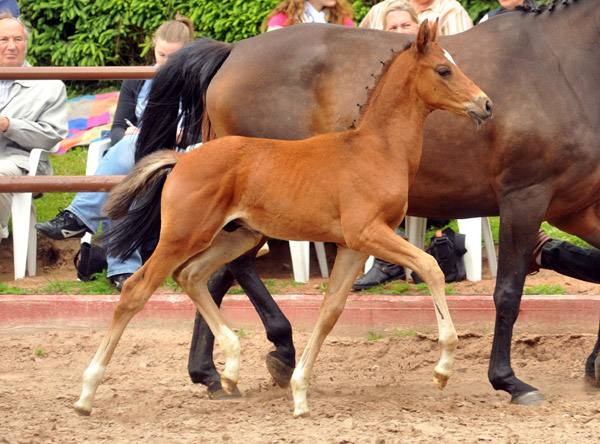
[520, 219]
[383, 243]
[347, 265]
[281, 361]
[136, 292]
[225, 247]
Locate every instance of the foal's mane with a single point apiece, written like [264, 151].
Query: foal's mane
[378, 79]
[528, 7]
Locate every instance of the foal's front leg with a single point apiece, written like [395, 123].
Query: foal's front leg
[392, 248]
[347, 265]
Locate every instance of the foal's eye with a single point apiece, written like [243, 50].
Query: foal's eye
[444, 72]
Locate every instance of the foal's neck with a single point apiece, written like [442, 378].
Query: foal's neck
[395, 112]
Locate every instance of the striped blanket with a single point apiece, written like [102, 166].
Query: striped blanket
[88, 117]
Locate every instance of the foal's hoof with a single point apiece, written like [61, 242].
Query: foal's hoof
[79, 411]
[281, 372]
[440, 380]
[597, 370]
[534, 398]
[215, 391]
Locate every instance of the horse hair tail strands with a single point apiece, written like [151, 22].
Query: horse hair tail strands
[178, 91]
[135, 204]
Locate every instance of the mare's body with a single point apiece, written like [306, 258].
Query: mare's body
[536, 160]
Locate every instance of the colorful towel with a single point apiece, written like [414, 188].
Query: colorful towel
[88, 117]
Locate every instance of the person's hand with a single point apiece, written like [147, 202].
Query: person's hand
[131, 130]
[4, 123]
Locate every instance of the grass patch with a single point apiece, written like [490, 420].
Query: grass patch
[241, 333]
[544, 289]
[400, 334]
[373, 336]
[40, 352]
[5, 289]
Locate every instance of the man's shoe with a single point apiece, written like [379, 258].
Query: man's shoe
[119, 279]
[381, 273]
[542, 239]
[64, 226]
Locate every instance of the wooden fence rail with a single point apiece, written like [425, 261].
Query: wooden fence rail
[57, 184]
[61, 184]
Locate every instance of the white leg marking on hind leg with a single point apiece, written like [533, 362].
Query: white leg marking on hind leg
[230, 345]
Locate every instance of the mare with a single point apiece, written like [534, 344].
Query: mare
[218, 200]
[536, 160]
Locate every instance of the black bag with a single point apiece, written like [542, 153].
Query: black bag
[89, 260]
[448, 249]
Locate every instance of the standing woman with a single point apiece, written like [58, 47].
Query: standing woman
[291, 12]
[84, 214]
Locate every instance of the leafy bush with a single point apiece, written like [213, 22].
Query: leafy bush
[119, 32]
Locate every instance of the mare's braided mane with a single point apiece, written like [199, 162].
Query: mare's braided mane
[386, 65]
[538, 9]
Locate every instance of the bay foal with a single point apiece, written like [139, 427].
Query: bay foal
[220, 199]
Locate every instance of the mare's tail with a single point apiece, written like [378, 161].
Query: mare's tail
[135, 203]
[183, 80]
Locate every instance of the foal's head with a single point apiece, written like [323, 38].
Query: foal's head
[441, 84]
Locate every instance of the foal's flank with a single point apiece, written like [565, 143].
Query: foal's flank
[348, 187]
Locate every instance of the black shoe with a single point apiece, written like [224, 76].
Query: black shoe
[64, 226]
[381, 273]
[119, 279]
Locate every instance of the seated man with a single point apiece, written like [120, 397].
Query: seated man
[33, 113]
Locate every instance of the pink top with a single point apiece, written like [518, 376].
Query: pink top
[278, 20]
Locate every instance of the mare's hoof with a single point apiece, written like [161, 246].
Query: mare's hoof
[534, 398]
[281, 372]
[597, 370]
[216, 392]
[302, 415]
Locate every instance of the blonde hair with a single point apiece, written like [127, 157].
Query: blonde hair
[178, 30]
[400, 5]
[293, 10]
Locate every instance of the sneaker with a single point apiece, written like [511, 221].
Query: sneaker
[119, 279]
[64, 226]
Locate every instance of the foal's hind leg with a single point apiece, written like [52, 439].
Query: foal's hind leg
[280, 362]
[347, 265]
[385, 244]
[136, 292]
[193, 279]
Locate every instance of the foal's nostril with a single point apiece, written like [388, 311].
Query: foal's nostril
[488, 107]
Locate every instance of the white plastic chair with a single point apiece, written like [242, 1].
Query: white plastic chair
[24, 219]
[300, 252]
[472, 229]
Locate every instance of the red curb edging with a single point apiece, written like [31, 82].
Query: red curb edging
[363, 310]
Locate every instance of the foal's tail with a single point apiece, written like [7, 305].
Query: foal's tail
[183, 80]
[135, 203]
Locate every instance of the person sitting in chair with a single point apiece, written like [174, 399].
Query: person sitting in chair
[33, 113]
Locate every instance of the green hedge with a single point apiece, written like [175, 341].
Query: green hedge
[119, 32]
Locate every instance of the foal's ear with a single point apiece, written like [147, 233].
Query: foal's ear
[426, 34]
[422, 36]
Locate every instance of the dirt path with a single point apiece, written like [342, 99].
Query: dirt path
[361, 391]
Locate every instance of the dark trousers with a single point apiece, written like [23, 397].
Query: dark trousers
[571, 260]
